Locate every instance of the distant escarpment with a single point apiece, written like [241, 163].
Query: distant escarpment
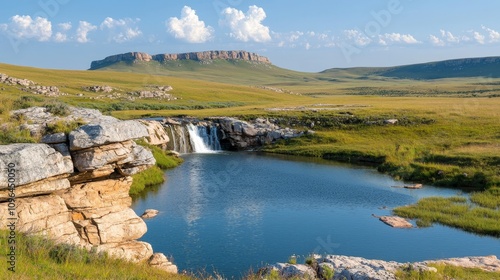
[132, 57]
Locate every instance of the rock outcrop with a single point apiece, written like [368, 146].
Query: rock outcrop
[356, 268]
[133, 57]
[230, 133]
[241, 135]
[30, 86]
[75, 189]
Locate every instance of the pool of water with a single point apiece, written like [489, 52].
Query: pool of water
[229, 212]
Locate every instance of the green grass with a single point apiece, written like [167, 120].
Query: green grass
[39, 258]
[154, 175]
[447, 272]
[489, 198]
[455, 212]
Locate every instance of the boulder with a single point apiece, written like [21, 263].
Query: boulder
[149, 213]
[32, 162]
[292, 271]
[135, 251]
[55, 138]
[391, 121]
[98, 198]
[160, 261]
[157, 134]
[120, 226]
[128, 157]
[94, 135]
[413, 187]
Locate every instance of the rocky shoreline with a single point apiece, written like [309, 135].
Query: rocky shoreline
[356, 268]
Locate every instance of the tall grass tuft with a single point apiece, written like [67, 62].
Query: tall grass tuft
[40, 258]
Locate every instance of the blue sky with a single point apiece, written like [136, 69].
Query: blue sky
[302, 35]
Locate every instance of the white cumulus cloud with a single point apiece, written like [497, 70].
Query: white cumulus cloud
[449, 37]
[121, 30]
[480, 38]
[65, 26]
[246, 26]
[357, 37]
[62, 35]
[436, 41]
[389, 38]
[189, 27]
[492, 34]
[25, 27]
[84, 28]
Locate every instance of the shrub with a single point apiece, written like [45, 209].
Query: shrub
[57, 108]
[63, 126]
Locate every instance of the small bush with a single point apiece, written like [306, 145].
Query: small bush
[57, 108]
[63, 126]
[25, 102]
[327, 272]
[15, 134]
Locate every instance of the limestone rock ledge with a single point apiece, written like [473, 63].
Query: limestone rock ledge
[75, 189]
[345, 267]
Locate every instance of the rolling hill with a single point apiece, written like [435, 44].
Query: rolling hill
[240, 67]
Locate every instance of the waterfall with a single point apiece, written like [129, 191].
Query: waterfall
[209, 136]
[178, 139]
[197, 140]
[192, 139]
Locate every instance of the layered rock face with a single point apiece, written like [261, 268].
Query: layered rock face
[75, 189]
[195, 56]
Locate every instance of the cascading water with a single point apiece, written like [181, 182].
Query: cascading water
[209, 136]
[178, 139]
[197, 140]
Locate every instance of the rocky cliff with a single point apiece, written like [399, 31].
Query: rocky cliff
[132, 57]
[75, 188]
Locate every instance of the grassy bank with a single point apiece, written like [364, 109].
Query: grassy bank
[39, 258]
[154, 175]
[447, 272]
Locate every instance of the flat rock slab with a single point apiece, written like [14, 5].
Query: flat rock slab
[396, 222]
[487, 263]
[31, 163]
[93, 135]
[413, 187]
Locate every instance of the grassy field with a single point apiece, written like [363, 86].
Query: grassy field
[448, 130]
[38, 258]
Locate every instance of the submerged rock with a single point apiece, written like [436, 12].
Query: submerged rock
[149, 213]
[396, 222]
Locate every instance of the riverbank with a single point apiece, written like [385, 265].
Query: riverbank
[420, 152]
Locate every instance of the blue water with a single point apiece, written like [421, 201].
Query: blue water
[230, 212]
